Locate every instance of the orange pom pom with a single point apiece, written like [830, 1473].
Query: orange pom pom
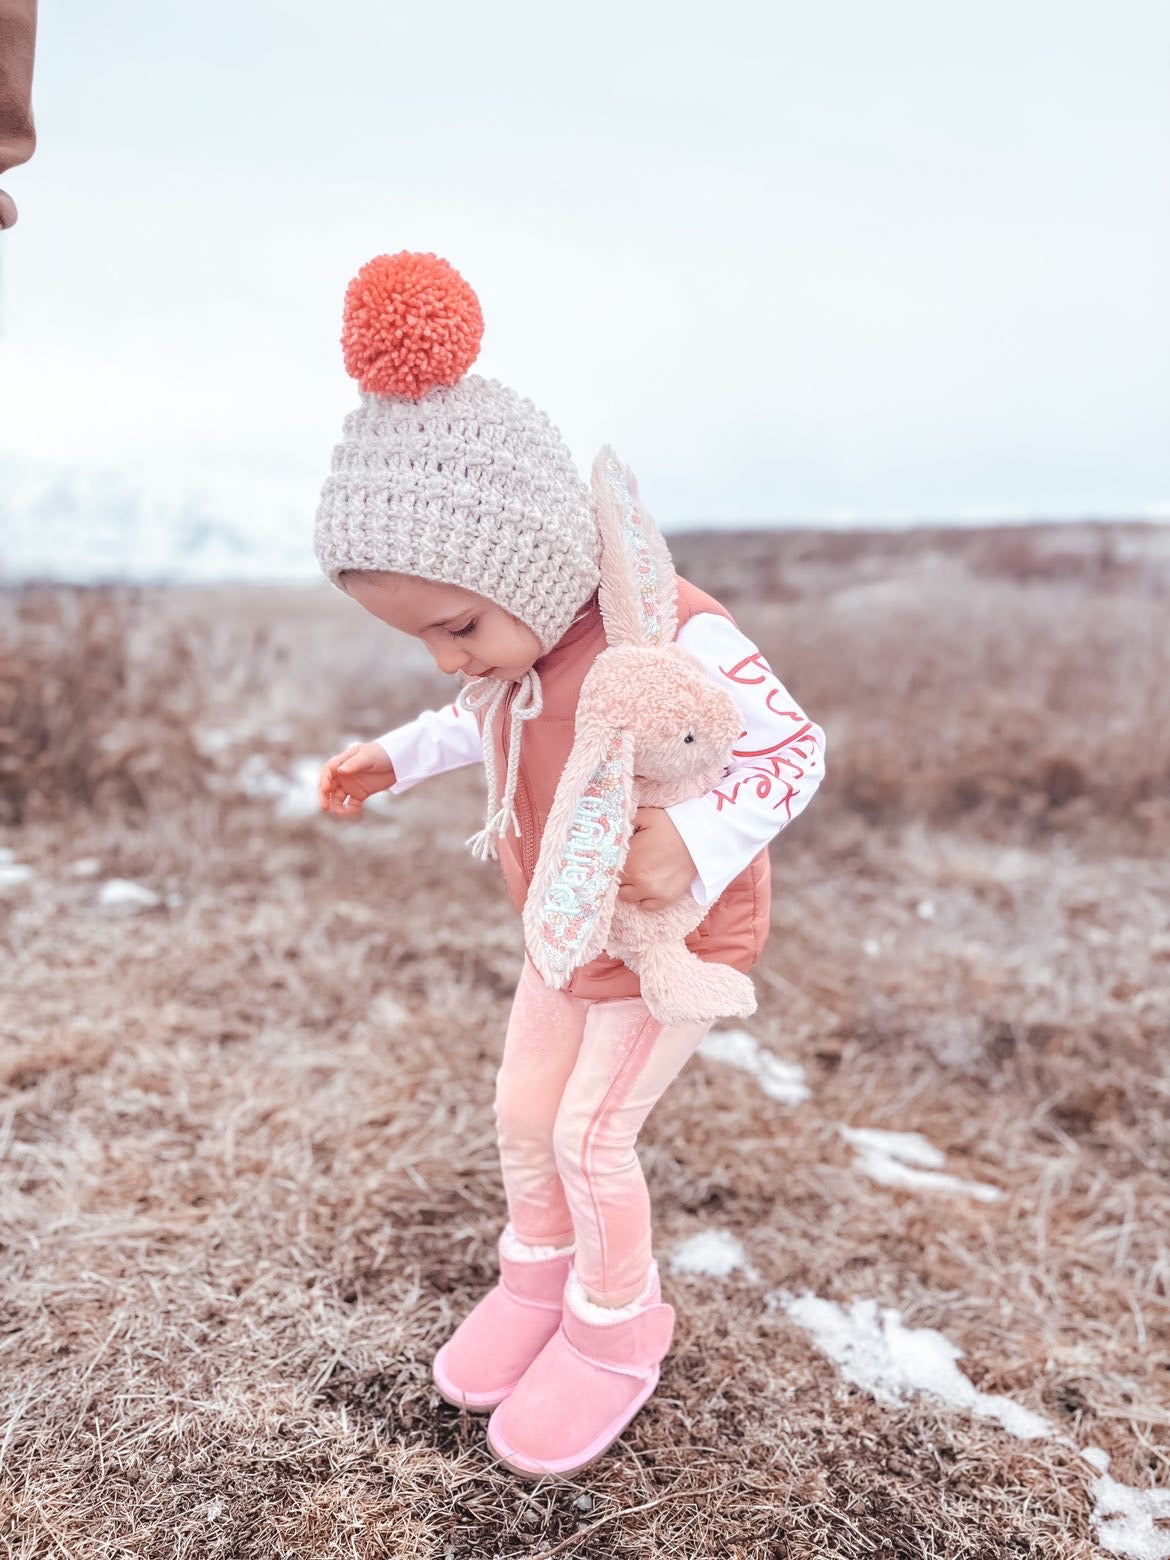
[411, 322]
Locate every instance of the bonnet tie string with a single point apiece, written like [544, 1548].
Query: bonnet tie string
[527, 705]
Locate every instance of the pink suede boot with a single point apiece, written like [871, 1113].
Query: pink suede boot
[499, 1338]
[585, 1385]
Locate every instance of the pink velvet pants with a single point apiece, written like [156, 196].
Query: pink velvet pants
[577, 1080]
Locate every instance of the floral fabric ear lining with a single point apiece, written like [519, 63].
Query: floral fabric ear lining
[643, 571]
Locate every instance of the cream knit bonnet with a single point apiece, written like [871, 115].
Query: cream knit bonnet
[452, 477]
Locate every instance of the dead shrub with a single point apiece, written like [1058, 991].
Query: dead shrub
[1030, 555]
[97, 702]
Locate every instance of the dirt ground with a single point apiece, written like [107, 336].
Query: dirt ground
[247, 1159]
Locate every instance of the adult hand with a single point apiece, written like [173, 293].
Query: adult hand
[18, 136]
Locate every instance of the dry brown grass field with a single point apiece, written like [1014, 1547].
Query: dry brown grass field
[246, 1139]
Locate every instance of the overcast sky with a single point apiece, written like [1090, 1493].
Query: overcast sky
[874, 258]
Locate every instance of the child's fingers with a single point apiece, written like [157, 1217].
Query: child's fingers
[327, 787]
[329, 793]
[327, 784]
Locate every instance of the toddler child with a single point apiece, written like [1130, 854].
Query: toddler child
[454, 513]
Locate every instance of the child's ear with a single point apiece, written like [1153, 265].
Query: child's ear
[570, 902]
[638, 593]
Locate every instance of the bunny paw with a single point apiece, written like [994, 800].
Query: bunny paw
[687, 990]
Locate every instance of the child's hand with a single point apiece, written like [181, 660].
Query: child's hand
[352, 777]
[658, 867]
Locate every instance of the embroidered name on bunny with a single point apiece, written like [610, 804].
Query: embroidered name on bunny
[594, 849]
[652, 729]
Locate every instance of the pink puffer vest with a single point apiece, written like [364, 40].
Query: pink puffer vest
[736, 926]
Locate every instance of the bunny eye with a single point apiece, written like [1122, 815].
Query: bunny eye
[690, 737]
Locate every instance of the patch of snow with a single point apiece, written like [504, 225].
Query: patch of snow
[124, 894]
[892, 1362]
[871, 947]
[85, 867]
[780, 1080]
[926, 910]
[387, 1012]
[214, 741]
[300, 796]
[295, 795]
[716, 1253]
[910, 1148]
[12, 871]
[1128, 1522]
[909, 1160]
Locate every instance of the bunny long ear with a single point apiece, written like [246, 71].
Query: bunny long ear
[638, 593]
[570, 902]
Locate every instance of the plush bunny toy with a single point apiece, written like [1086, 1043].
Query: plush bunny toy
[652, 729]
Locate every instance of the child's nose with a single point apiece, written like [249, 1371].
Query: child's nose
[451, 658]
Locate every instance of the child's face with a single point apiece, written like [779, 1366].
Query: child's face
[464, 632]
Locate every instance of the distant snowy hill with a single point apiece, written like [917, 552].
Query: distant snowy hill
[85, 525]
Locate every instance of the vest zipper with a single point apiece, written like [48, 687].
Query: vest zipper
[527, 830]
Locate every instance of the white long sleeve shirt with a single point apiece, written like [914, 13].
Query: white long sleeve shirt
[776, 766]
